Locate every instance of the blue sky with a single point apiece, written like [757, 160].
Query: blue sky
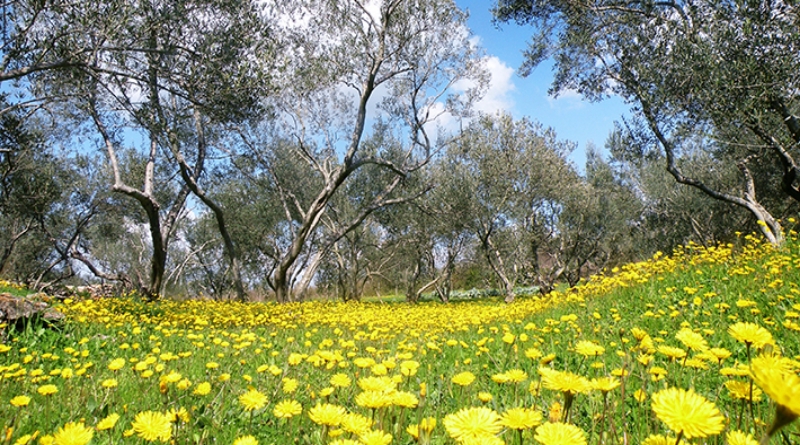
[572, 118]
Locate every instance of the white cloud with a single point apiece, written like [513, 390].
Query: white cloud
[497, 95]
[566, 100]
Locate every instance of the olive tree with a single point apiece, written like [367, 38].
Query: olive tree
[352, 69]
[722, 74]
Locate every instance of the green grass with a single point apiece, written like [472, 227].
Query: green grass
[236, 346]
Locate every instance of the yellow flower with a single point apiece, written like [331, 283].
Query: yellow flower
[202, 389]
[658, 439]
[672, 352]
[741, 390]
[47, 390]
[382, 383]
[109, 422]
[427, 424]
[345, 442]
[485, 397]
[564, 381]
[560, 434]
[327, 414]
[26, 439]
[413, 430]
[404, 399]
[73, 433]
[605, 384]
[516, 375]
[720, 353]
[521, 418]
[691, 339]
[782, 385]
[178, 414]
[253, 400]
[463, 378]
[356, 423]
[245, 440]
[751, 334]
[109, 383]
[739, 438]
[688, 413]
[588, 348]
[409, 368]
[20, 401]
[289, 385]
[116, 364]
[287, 409]
[373, 399]
[340, 380]
[375, 437]
[472, 423]
[152, 426]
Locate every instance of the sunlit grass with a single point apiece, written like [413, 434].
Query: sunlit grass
[584, 363]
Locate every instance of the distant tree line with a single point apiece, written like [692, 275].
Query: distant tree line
[239, 148]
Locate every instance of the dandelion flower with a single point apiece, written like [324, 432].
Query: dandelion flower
[345, 442]
[404, 399]
[356, 423]
[521, 418]
[774, 376]
[253, 400]
[516, 376]
[47, 390]
[485, 397]
[20, 401]
[73, 433]
[24, 440]
[605, 384]
[588, 348]
[486, 440]
[287, 409]
[152, 426]
[751, 334]
[178, 414]
[560, 434]
[659, 439]
[373, 399]
[372, 383]
[327, 414]
[692, 340]
[566, 382]
[739, 390]
[202, 389]
[109, 422]
[533, 353]
[739, 438]
[472, 423]
[375, 437]
[116, 364]
[688, 413]
[290, 385]
[672, 352]
[463, 378]
[245, 440]
[109, 383]
[340, 380]
[427, 424]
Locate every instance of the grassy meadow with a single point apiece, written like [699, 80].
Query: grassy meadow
[656, 352]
